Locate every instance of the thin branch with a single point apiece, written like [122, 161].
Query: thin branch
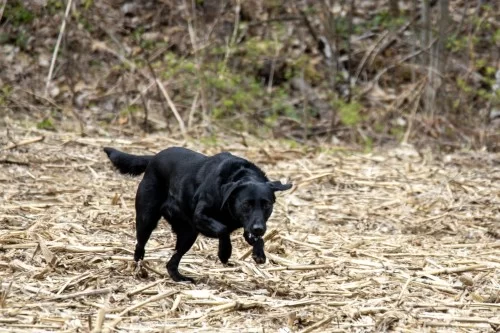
[56, 49]
[4, 3]
[173, 108]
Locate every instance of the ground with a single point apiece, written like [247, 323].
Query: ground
[391, 240]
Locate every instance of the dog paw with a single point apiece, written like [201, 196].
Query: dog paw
[178, 277]
[224, 256]
[140, 272]
[182, 278]
[223, 259]
[259, 258]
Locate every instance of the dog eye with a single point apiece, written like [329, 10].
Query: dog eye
[246, 205]
[266, 205]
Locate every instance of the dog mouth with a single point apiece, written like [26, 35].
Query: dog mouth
[253, 237]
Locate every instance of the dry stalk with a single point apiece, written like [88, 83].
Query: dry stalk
[458, 269]
[2, 8]
[85, 293]
[141, 289]
[317, 325]
[140, 305]
[198, 58]
[56, 49]
[173, 108]
[23, 143]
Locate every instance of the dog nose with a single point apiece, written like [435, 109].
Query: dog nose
[258, 230]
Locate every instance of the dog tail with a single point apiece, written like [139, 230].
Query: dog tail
[128, 163]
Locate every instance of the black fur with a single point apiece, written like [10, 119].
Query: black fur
[199, 194]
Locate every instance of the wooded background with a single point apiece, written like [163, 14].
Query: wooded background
[361, 73]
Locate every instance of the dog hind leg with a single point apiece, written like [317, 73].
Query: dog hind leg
[148, 213]
[185, 239]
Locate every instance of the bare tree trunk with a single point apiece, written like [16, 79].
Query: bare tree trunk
[394, 8]
[443, 25]
[428, 57]
[426, 29]
[349, 51]
[415, 40]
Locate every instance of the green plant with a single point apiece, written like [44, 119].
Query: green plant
[5, 92]
[18, 14]
[46, 124]
[129, 110]
[368, 144]
[397, 131]
[87, 4]
[496, 36]
[349, 113]
[54, 6]
[385, 20]
[456, 43]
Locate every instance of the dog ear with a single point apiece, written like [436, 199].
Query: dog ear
[227, 190]
[278, 186]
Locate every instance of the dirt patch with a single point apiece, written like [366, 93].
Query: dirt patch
[363, 242]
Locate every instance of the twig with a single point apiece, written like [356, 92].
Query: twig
[50, 258]
[193, 109]
[4, 3]
[350, 32]
[152, 269]
[23, 143]
[155, 80]
[101, 315]
[478, 320]
[9, 161]
[456, 325]
[456, 269]
[56, 49]
[85, 293]
[146, 112]
[453, 305]
[416, 99]
[299, 267]
[196, 51]
[367, 55]
[141, 289]
[283, 18]
[231, 42]
[173, 108]
[317, 325]
[176, 303]
[403, 289]
[73, 280]
[377, 77]
[140, 305]
[273, 66]
[4, 295]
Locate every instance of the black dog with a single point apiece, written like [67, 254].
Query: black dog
[199, 194]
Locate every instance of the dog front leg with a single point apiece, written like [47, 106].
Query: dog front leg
[207, 225]
[258, 254]
[257, 243]
[225, 248]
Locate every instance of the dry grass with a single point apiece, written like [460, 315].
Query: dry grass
[363, 243]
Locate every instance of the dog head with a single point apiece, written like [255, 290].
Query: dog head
[251, 203]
